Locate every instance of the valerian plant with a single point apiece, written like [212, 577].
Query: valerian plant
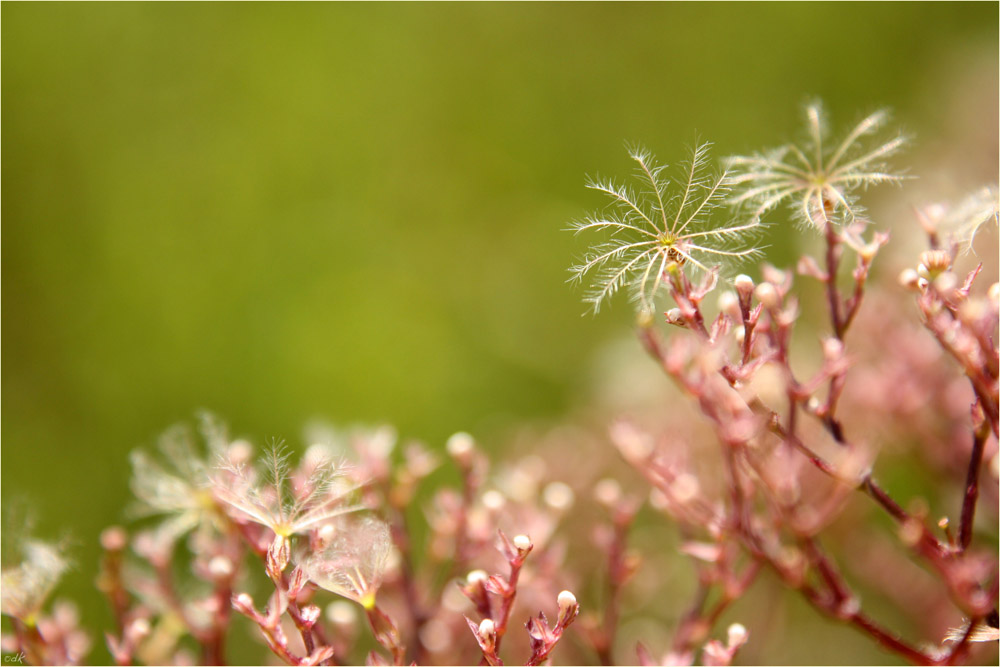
[346, 553]
[773, 425]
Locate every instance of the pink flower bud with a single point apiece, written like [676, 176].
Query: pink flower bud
[114, 538]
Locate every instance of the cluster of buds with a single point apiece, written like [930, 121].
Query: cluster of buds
[489, 632]
[270, 624]
[963, 323]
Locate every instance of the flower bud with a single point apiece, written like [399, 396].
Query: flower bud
[487, 631]
[736, 635]
[522, 542]
[674, 316]
[685, 487]
[608, 492]
[767, 295]
[114, 538]
[909, 279]
[239, 451]
[244, 604]
[558, 496]
[494, 500]
[744, 285]
[341, 613]
[139, 628]
[477, 577]
[566, 599]
[730, 305]
[568, 608]
[460, 447]
[833, 349]
[220, 567]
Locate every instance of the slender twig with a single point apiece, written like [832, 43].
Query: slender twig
[972, 488]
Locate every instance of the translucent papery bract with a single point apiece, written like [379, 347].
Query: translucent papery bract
[353, 563]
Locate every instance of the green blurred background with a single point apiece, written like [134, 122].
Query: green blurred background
[283, 211]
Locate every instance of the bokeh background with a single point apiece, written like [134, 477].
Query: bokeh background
[287, 211]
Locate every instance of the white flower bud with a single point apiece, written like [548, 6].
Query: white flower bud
[658, 500]
[607, 492]
[558, 496]
[674, 316]
[220, 567]
[436, 636]
[730, 305]
[744, 285]
[909, 279]
[493, 500]
[341, 613]
[736, 635]
[477, 577]
[487, 629]
[833, 349]
[685, 487]
[522, 542]
[566, 601]
[460, 446]
[767, 295]
[139, 628]
[239, 451]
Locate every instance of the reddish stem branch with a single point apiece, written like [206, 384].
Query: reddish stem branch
[972, 488]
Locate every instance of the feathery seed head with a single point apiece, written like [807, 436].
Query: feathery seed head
[961, 222]
[25, 587]
[818, 179]
[273, 497]
[177, 484]
[657, 230]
